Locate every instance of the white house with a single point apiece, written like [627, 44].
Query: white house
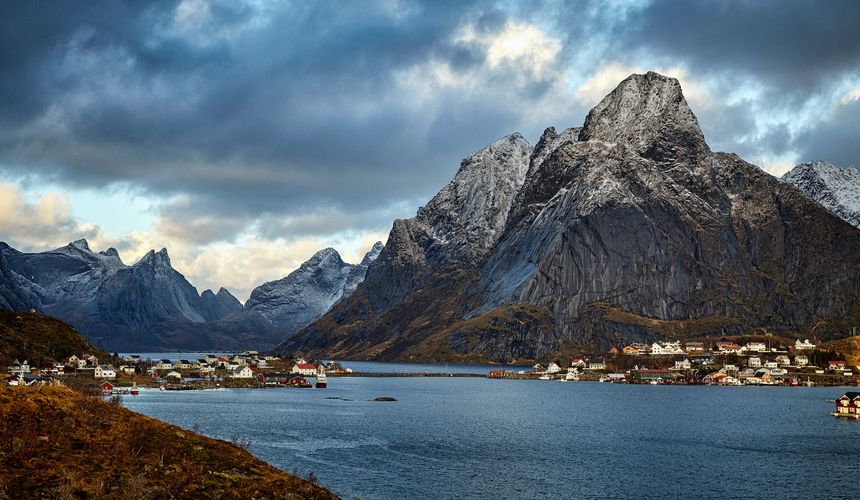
[104, 371]
[553, 368]
[128, 370]
[182, 364]
[596, 364]
[174, 374]
[778, 371]
[783, 360]
[163, 364]
[771, 364]
[666, 348]
[306, 369]
[801, 360]
[806, 344]
[19, 368]
[578, 363]
[754, 362]
[684, 364]
[755, 347]
[243, 371]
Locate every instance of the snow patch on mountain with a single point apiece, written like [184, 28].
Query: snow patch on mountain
[836, 189]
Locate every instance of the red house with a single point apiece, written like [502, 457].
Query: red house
[837, 365]
[848, 405]
[106, 387]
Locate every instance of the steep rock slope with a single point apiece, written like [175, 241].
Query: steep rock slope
[836, 189]
[629, 228]
[297, 299]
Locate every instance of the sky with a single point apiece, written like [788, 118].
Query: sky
[246, 135]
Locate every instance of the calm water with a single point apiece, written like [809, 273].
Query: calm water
[479, 438]
[377, 367]
[358, 366]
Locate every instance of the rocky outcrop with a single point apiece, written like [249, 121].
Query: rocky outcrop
[629, 228]
[836, 189]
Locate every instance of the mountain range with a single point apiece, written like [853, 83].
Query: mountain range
[150, 306]
[628, 228]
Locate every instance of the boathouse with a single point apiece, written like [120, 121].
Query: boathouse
[848, 405]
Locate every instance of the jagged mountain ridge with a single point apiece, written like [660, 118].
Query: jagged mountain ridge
[150, 306]
[628, 228]
[836, 189]
[144, 305]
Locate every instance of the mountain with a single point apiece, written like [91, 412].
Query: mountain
[150, 306]
[294, 301]
[218, 306]
[627, 229]
[836, 189]
[147, 305]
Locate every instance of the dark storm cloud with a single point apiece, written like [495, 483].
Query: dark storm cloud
[796, 45]
[835, 140]
[297, 113]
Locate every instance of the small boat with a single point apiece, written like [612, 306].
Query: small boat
[321, 381]
[809, 383]
[603, 379]
[134, 390]
[544, 377]
[654, 382]
[162, 388]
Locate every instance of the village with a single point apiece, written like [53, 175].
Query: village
[702, 362]
[247, 369]
[698, 362]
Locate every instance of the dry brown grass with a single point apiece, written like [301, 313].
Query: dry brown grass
[849, 347]
[58, 443]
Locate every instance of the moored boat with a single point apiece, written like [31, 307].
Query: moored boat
[134, 390]
[321, 381]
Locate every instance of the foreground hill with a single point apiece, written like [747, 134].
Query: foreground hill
[55, 442]
[627, 229]
[39, 339]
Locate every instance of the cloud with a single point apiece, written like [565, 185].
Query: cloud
[255, 126]
[41, 223]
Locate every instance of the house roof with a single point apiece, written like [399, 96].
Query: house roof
[306, 366]
[851, 395]
[836, 362]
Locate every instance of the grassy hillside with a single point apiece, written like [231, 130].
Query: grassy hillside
[38, 338]
[849, 347]
[58, 443]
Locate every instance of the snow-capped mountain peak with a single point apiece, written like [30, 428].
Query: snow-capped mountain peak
[836, 189]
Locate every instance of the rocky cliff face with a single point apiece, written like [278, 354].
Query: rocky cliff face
[836, 189]
[294, 301]
[629, 228]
